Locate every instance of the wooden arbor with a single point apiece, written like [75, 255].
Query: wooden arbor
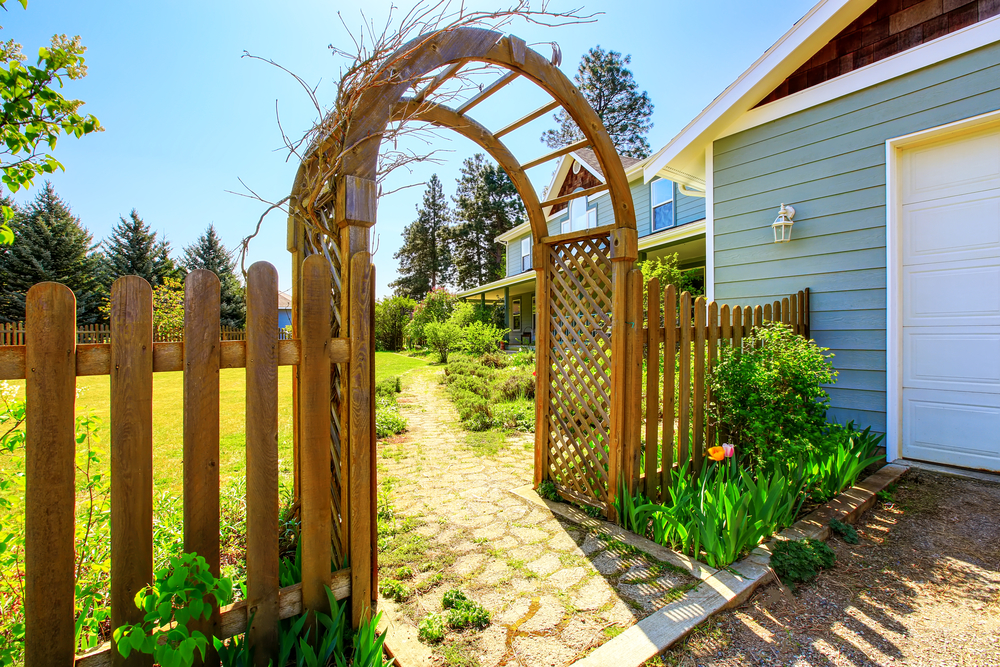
[582, 368]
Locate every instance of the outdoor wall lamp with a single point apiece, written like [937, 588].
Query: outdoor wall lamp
[782, 225]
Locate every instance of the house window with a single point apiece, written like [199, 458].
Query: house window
[525, 253]
[663, 204]
[515, 315]
[580, 216]
[534, 316]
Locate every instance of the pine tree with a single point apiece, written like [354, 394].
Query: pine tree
[486, 205]
[51, 245]
[208, 252]
[425, 257]
[134, 250]
[609, 86]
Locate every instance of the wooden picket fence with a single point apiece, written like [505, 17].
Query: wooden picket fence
[12, 333]
[686, 332]
[50, 359]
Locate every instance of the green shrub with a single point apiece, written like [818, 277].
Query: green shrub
[437, 306]
[389, 386]
[519, 415]
[523, 359]
[431, 628]
[392, 314]
[495, 360]
[443, 337]
[518, 385]
[768, 394]
[388, 421]
[799, 561]
[470, 383]
[845, 530]
[463, 612]
[481, 338]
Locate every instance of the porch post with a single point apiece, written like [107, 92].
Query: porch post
[506, 314]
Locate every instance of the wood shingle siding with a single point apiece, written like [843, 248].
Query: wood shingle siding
[828, 162]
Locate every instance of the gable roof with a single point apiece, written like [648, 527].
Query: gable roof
[683, 158]
[588, 158]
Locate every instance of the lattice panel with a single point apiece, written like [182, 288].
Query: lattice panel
[321, 244]
[580, 296]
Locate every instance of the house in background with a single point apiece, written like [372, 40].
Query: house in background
[878, 122]
[670, 219]
[284, 310]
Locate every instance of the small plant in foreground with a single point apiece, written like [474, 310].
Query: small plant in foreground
[845, 530]
[431, 629]
[547, 490]
[395, 590]
[799, 561]
[463, 612]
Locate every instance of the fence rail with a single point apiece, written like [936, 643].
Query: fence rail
[50, 360]
[686, 336]
[13, 333]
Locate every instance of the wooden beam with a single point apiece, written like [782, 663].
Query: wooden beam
[575, 195]
[487, 92]
[234, 617]
[579, 235]
[95, 358]
[559, 152]
[521, 122]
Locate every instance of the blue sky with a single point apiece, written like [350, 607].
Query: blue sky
[186, 117]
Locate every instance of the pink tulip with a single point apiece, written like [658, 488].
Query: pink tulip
[728, 450]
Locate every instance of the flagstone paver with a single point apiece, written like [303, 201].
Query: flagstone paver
[554, 590]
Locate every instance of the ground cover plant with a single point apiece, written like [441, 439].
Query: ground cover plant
[388, 420]
[493, 391]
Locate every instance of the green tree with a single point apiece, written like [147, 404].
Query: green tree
[208, 252]
[53, 246]
[133, 249]
[425, 257]
[486, 205]
[437, 306]
[33, 114]
[391, 317]
[609, 86]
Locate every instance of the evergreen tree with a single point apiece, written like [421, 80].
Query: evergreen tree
[609, 86]
[425, 257]
[51, 245]
[134, 250]
[486, 205]
[208, 252]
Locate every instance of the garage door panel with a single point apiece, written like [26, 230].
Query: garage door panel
[939, 231]
[952, 294]
[957, 428]
[952, 167]
[947, 361]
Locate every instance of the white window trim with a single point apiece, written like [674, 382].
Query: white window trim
[710, 222]
[525, 254]
[894, 267]
[566, 225]
[953, 44]
[653, 206]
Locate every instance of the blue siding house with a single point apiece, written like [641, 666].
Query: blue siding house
[670, 219]
[879, 123]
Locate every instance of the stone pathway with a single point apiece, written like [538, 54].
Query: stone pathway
[554, 591]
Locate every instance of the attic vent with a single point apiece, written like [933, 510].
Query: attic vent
[576, 167]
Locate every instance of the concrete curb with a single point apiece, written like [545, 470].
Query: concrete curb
[719, 589]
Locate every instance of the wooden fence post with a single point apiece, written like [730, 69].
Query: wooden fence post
[633, 403]
[669, 364]
[314, 433]
[50, 494]
[201, 429]
[684, 383]
[652, 385]
[262, 460]
[698, 441]
[131, 452]
[361, 435]
[543, 366]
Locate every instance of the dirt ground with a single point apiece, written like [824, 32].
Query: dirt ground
[922, 588]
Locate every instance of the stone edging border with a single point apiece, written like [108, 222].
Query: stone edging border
[719, 589]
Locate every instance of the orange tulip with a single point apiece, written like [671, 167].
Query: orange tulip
[716, 453]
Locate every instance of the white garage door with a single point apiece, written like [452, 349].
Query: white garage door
[951, 301]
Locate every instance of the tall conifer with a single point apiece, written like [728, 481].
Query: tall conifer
[50, 245]
[133, 249]
[425, 257]
[208, 252]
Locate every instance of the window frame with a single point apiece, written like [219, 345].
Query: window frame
[526, 266]
[653, 205]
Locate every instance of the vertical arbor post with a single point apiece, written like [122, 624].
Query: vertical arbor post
[262, 460]
[131, 452]
[201, 429]
[624, 250]
[50, 391]
[543, 364]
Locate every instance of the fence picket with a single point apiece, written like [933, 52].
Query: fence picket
[669, 365]
[684, 382]
[262, 460]
[201, 429]
[698, 441]
[50, 492]
[314, 420]
[713, 358]
[652, 384]
[131, 452]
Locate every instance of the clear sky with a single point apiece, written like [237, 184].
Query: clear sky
[186, 117]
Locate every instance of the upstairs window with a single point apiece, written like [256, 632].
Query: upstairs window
[580, 217]
[663, 204]
[525, 254]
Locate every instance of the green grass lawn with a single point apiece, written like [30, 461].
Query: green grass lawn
[168, 418]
